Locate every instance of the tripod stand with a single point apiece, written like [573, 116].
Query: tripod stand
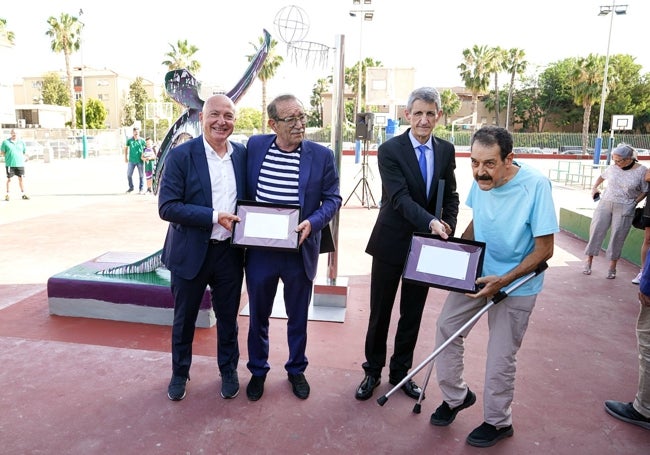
[366, 193]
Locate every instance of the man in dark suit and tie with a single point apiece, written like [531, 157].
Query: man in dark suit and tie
[199, 188]
[284, 168]
[411, 166]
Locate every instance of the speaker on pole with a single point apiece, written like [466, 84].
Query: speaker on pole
[364, 126]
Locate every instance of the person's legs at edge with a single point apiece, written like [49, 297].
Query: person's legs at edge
[140, 167]
[642, 400]
[412, 301]
[457, 310]
[620, 228]
[262, 280]
[130, 167]
[644, 251]
[297, 295]
[383, 288]
[507, 323]
[600, 223]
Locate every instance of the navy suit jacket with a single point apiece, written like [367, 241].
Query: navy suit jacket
[405, 207]
[185, 200]
[318, 188]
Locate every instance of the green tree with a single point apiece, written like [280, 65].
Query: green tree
[451, 104]
[54, 90]
[475, 72]
[181, 56]
[321, 87]
[6, 34]
[248, 119]
[135, 106]
[586, 81]
[66, 38]
[268, 70]
[95, 114]
[496, 63]
[555, 93]
[515, 64]
[351, 77]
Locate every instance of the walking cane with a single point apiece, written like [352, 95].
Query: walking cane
[496, 298]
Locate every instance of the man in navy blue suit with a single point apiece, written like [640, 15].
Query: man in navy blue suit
[283, 168]
[200, 185]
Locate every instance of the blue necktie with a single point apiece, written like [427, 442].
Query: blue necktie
[422, 161]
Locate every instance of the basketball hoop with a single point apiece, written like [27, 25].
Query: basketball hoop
[307, 51]
[292, 24]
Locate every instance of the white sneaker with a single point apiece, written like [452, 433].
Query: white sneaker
[637, 279]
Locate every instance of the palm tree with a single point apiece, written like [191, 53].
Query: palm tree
[514, 64]
[586, 82]
[320, 87]
[450, 104]
[66, 37]
[268, 70]
[496, 57]
[181, 56]
[475, 72]
[6, 36]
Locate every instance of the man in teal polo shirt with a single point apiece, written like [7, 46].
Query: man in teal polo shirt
[14, 152]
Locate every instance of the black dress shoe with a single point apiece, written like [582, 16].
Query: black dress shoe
[410, 388]
[366, 387]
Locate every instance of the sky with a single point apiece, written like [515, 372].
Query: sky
[132, 37]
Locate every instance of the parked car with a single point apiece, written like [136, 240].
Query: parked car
[34, 149]
[92, 148]
[532, 150]
[61, 148]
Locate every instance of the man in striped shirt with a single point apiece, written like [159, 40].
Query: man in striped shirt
[284, 168]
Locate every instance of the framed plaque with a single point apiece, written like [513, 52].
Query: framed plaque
[453, 264]
[268, 226]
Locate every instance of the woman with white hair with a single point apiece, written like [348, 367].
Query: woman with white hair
[626, 187]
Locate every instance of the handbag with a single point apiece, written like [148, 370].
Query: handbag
[638, 221]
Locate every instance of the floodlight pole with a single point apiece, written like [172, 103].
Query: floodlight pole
[84, 143]
[604, 11]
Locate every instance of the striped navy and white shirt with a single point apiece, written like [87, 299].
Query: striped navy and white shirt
[278, 181]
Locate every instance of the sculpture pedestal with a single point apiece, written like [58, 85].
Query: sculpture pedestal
[136, 297]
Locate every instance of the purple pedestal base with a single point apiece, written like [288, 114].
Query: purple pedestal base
[141, 297]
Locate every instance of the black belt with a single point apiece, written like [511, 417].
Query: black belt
[218, 242]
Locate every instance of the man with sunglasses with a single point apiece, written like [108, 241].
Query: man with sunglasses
[284, 168]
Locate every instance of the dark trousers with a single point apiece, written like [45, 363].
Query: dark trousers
[384, 281]
[264, 269]
[223, 272]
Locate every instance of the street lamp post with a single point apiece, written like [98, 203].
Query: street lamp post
[363, 15]
[604, 11]
[84, 144]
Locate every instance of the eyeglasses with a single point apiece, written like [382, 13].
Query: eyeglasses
[291, 121]
[622, 160]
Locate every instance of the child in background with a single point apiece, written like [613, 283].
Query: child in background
[149, 158]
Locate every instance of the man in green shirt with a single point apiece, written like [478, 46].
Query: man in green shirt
[14, 152]
[133, 156]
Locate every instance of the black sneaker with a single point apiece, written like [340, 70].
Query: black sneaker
[444, 415]
[25, 197]
[129, 191]
[176, 389]
[255, 387]
[229, 384]
[626, 413]
[487, 435]
[299, 385]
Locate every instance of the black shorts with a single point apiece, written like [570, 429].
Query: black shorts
[17, 171]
